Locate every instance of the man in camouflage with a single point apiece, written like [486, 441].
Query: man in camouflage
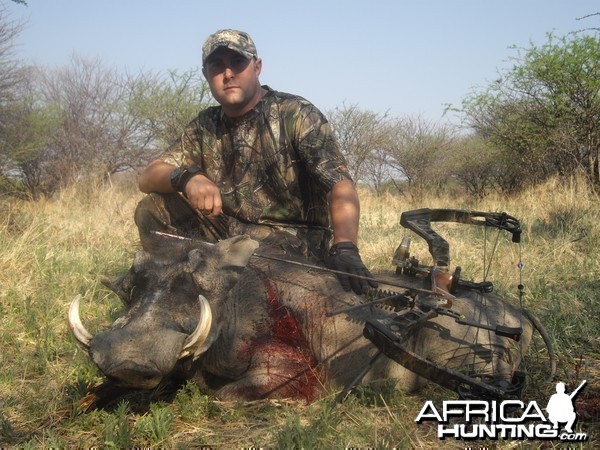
[259, 161]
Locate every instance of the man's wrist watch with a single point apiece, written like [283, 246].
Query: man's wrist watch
[182, 174]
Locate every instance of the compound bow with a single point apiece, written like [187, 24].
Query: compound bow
[413, 309]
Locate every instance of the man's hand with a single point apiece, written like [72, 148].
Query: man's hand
[344, 257]
[204, 195]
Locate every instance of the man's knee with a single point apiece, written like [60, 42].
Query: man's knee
[170, 213]
[151, 214]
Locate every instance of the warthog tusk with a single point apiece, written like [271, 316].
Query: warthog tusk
[82, 335]
[194, 342]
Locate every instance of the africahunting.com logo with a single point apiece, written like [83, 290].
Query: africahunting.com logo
[507, 419]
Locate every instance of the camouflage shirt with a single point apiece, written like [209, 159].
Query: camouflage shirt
[274, 165]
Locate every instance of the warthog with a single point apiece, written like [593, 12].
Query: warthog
[247, 327]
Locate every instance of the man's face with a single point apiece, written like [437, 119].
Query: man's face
[233, 80]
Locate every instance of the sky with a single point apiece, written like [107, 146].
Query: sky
[400, 57]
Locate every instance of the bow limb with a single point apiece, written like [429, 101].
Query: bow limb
[419, 221]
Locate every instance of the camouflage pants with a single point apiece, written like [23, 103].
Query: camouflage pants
[171, 213]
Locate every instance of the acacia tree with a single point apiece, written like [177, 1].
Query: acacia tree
[25, 144]
[166, 103]
[112, 122]
[362, 135]
[10, 69]
[96, 130]
[17, 118]
[478, 165]
[85, 121]
[419, 151]
[546, 109]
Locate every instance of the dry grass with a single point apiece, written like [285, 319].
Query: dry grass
[55, 248]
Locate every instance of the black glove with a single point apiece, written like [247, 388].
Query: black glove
[344, 257]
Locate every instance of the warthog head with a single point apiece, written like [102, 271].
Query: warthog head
[168, 317]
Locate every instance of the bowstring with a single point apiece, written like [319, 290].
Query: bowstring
[487, 264]
[520, 286]
[486, 270]
[483, 301]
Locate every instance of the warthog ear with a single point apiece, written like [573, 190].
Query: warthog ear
[236, 251]
[123, 285]
[226, 257]
[232, 252]
[116, 285]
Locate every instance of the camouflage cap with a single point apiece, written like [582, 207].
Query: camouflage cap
[235, 40]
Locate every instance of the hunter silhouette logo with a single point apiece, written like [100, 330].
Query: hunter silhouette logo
[561, 407]
[506, 419]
